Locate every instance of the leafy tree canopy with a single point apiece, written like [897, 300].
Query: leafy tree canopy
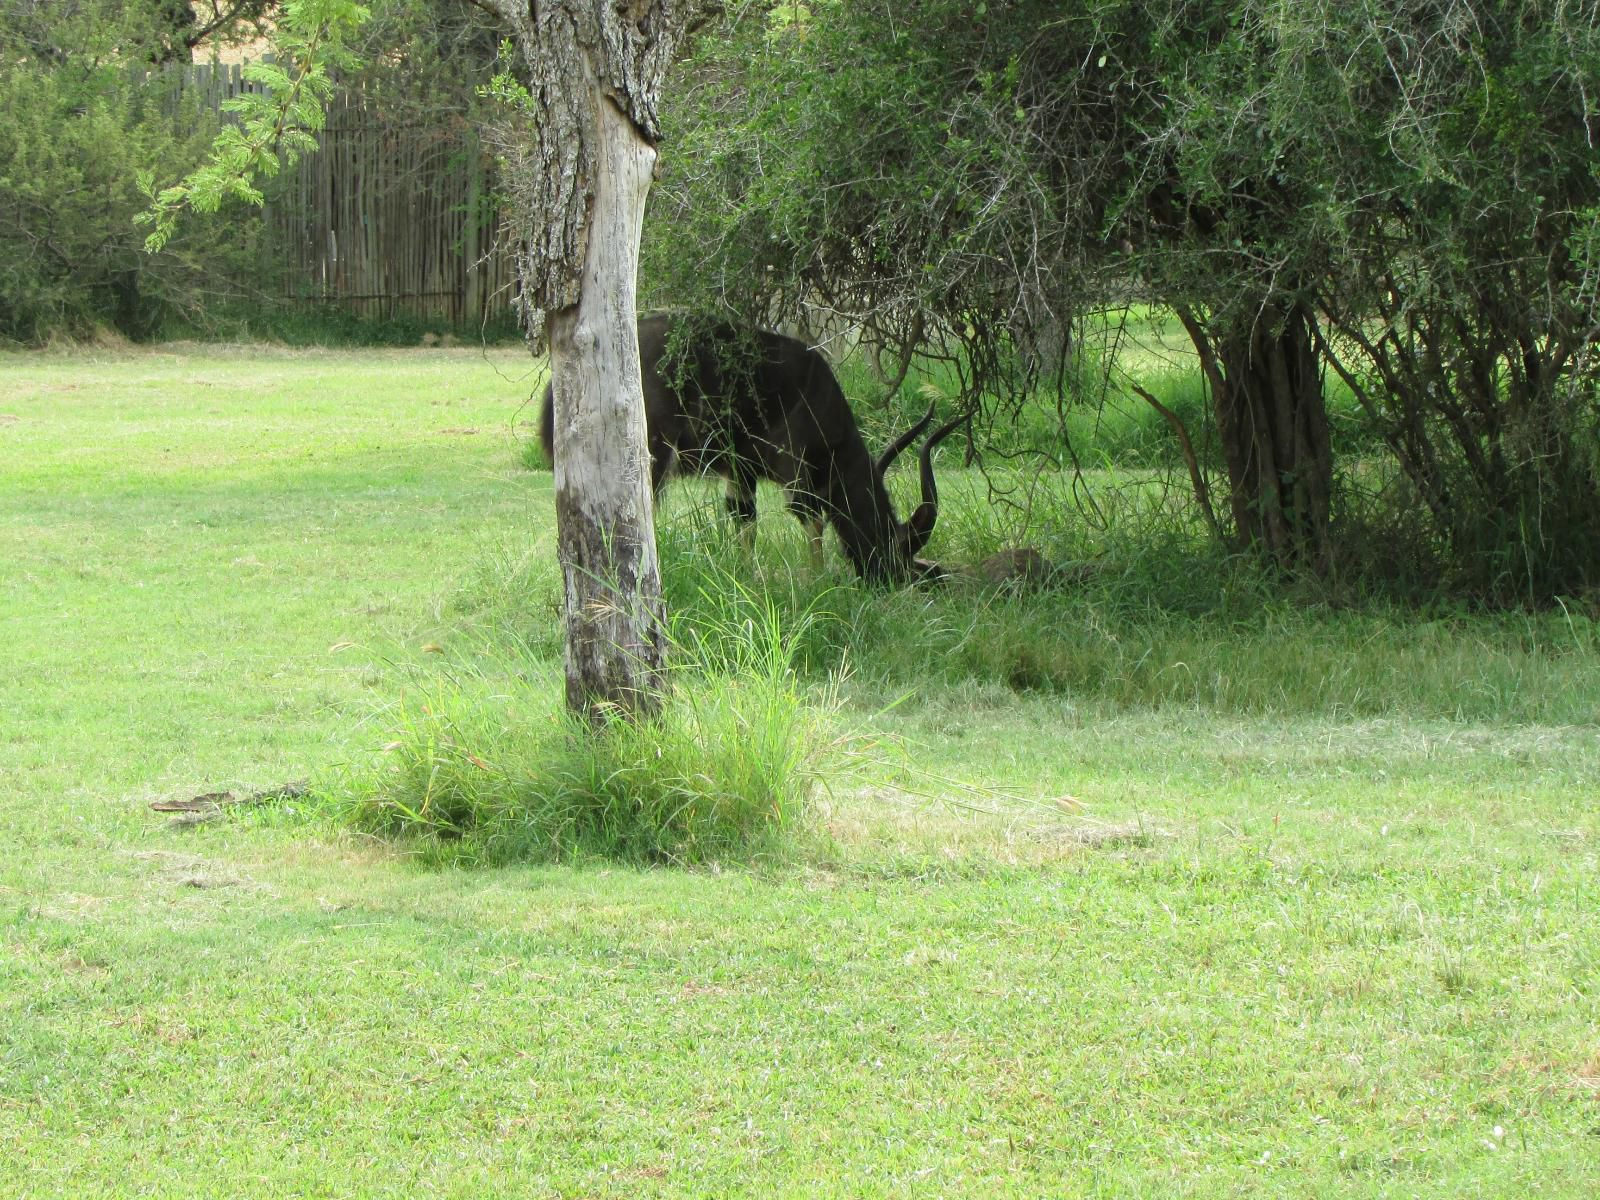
[1404, 195]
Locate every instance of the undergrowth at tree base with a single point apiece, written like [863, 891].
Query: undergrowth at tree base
[487, 766]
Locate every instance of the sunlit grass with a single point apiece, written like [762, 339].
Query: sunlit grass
[1151, 884]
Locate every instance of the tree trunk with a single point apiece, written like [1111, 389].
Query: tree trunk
[615, 647]
[578, 172]
[1272, 422]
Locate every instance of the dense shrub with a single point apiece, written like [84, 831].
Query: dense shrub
[72, 146]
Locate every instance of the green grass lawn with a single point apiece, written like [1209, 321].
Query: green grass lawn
[1126, 902]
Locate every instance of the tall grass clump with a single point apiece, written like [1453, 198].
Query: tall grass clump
[485, 765]
[1147, 613]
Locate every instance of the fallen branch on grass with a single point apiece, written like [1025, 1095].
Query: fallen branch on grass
[213, 802]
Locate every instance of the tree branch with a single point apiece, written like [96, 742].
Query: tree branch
[1202, 494]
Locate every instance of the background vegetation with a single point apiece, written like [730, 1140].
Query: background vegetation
[1374, 226]
[101, 102]
[84, 121]
[1398, 199]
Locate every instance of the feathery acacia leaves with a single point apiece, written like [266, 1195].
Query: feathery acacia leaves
[276, 125]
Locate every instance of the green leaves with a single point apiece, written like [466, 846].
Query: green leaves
[504, 88]
[276, 124]
[1425, 184]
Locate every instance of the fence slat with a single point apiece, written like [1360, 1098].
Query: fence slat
[384, 219]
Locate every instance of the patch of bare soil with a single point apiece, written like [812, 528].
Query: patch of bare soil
[974, 822]
[1107, 835]
[192, 871]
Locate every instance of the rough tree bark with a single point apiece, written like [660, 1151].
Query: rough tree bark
[580, 176]
[1272, 421]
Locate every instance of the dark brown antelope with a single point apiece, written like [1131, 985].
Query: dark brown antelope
[760, 405]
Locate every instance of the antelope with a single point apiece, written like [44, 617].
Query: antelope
[753, 405]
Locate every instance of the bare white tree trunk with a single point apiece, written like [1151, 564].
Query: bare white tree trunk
[615, 648]
[580, 171]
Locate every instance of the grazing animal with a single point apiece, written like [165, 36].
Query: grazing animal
[752, 405]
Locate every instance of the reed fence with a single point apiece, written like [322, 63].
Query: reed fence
[385, 218]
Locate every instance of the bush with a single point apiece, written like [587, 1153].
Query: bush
[71, 258]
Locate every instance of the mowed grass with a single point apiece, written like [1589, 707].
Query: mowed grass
[1118, 899]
